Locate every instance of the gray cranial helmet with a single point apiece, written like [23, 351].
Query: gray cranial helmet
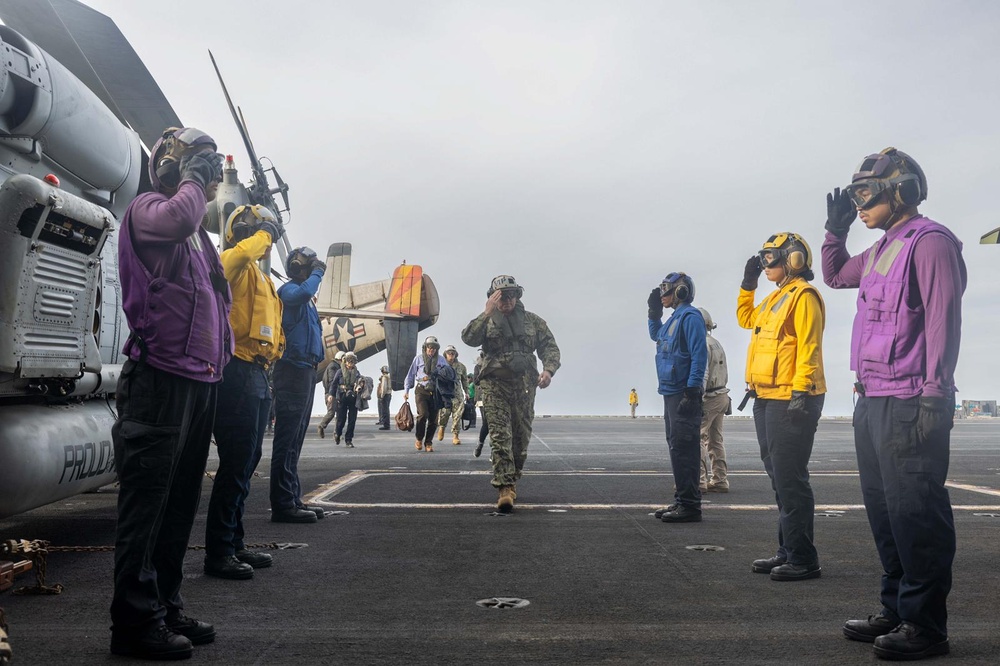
[505, 283]
[709, 324]
[432, 341]
[165, 156]
[450, 348]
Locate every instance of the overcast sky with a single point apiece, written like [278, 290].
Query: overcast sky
[590, 148]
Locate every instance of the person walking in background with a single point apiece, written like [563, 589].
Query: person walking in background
[633, 401]
[458, 401]
[904, 349]
[716, 406]
[422, 378]
[384, 396]
[345, 391]
[681, 356]
[784, 373]
[329, 372]
[510, 337]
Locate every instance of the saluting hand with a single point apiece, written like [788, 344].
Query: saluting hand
[493, 302]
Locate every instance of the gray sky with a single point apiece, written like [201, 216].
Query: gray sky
[590, 148]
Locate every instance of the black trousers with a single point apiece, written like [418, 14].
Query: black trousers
[240, 419]
[161, 441]
[485, 428]
[785, 449]
[347, 414]
[909, 510]
[383, 410]
[684, 443]
[294, 390]
[426, 414]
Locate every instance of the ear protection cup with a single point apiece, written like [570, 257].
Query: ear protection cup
[681, 291]
[907, 193]
[796, 260]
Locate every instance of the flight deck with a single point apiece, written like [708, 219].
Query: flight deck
[411, 555]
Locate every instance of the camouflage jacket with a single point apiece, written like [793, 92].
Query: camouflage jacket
[461, 377]
[510, 342]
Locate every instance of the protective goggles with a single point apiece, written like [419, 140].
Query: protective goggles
[864, 194]
[669, 284]
[509, 294]
[771, 257]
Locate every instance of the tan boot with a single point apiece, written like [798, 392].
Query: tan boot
[441, 433]
[455, 440]
[428, 448]
[419, 445]
[505, 503]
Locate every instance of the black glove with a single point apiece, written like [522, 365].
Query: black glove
[751, 273]
[276, 229]
[318, 265]
[840, 212]
[655, 305]
[798, 408]
[691, 402]
[202, 168]
[935, 418]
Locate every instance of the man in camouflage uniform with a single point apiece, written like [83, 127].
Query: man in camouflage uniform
[458, 401]
[510, 336]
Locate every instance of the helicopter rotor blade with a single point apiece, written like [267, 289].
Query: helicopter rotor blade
[254, 162]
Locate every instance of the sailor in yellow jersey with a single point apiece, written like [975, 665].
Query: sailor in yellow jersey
[784, 374]
[244, 396]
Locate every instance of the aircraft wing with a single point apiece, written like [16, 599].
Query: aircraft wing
[992, 238]
[362, 314]
[91, 46]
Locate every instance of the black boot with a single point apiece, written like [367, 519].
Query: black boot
[908, 642]
[157, 642]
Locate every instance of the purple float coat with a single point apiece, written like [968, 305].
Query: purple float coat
[907, 331]
[166, 262]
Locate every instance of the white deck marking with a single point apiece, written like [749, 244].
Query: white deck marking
[323, 494]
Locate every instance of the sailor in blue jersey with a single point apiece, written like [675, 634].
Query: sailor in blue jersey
[681, 358]
[295, 384]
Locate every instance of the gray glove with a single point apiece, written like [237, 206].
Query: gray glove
[751, 273]
[202, 168]
[276, 229]
[798, 408]
[935, 418]
[655, 305]
[840, 212]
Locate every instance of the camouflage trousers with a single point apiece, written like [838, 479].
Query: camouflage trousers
[509, 407]
[457, 406]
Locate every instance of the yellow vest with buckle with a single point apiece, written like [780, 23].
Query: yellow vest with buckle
[256, 311]
[774, 367]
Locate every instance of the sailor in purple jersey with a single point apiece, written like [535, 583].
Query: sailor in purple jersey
[904, 349]
[176, 300]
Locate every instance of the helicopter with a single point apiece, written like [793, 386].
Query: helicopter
[78, 111]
